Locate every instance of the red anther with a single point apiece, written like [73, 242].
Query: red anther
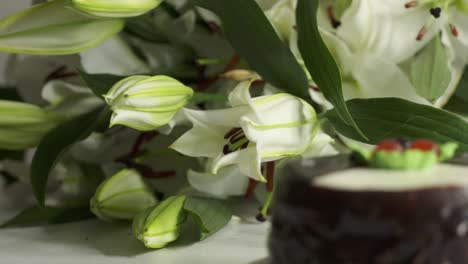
[60, 73]
[425, 145]
[251, 188]
[454, 30]
[411, 4]
[389, 145]
[421, 33]
[270, 173]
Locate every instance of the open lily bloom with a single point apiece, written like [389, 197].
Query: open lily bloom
[366, 75]
[404, 27]
[230, 180]
[253, 131]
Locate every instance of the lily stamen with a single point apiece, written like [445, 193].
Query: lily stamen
[236, 140]
[232, 132]
[237, 136]
[411, 4]
[421, 33]
[331, 15]
[250, 188]
[454, 30]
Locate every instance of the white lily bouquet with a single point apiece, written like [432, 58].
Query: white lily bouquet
[156, 112]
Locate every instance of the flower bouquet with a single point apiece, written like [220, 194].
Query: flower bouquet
[159, 114]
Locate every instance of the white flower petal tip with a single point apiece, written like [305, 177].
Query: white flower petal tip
[23, 125]
[146, 103]
[160, 225]
[115, 8]
[122, 196]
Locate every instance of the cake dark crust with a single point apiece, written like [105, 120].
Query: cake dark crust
[317, 225]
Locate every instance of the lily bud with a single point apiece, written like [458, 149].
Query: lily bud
[115, 8]
[146, 103]
[23, 125]
[122, 196]
[160, 225]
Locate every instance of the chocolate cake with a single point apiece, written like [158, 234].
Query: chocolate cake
[328, 211]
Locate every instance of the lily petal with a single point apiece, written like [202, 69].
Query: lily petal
[103, 59]
[373, 27]
[229, 181]
[377, 77]
[143, 121]
[247, 160]
[199, 142]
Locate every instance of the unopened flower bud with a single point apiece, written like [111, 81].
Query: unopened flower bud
[115, 8]
[122, 196]
[23, 125]
[146, 103]
[160, 225]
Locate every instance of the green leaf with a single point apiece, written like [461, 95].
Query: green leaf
[200, 97]
[252, 35]
[145, 28]
[319, 61]
[430, 71]
[382, 118]
[56, 142]
[54, 28]
[211, 215]
[100, 84]
[459, 101]
[37, 216]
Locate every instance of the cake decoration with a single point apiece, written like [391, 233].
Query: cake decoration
[401, 154]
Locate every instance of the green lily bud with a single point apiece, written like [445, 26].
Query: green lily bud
[23, 125]
[122, 196]
[53, 28]
[115, 8]
[160, 225]
[146, 103]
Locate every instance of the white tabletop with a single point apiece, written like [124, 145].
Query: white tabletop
[97, 242]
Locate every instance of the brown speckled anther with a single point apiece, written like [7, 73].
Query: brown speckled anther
[316, 225]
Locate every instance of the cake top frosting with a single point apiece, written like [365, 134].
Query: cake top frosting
[399, 154]
[372, 179]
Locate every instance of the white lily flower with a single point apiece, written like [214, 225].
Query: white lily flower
[253, 131]
[404, 27]
[230, 180]
[366, 75]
